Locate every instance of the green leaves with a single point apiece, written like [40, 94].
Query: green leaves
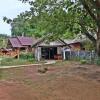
[60, 17]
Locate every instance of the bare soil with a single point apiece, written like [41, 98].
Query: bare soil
[63, 81]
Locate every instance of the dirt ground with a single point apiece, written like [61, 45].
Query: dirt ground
[62, 81]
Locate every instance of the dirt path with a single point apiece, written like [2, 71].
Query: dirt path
[59, 83]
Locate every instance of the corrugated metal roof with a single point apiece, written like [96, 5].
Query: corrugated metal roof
[68, 41]
[25, 41]
[14, 42]
[21, 41]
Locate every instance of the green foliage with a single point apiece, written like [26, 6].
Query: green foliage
[76, 58]
[6, 59]
[24, 59]
[88, 45]
[98, 61]
[42, 20]
[83, 61]
[63, 18]
[26, 56]
[12, 61]
[3, 40]
[69, 35]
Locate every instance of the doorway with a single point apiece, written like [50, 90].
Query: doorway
[48, 52]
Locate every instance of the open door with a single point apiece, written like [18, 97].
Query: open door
[48, 52]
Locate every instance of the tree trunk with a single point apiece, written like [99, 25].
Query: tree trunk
[98, 47]
[98, 43]
[98, 33]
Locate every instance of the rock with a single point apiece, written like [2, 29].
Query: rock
[42, 70]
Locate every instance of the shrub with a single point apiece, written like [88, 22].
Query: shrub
[26, 56]
[98, 61]
[12, 61]
[6, 61]
[83, 61]
[31, 60]
[76, 58]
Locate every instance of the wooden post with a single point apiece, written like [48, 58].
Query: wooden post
[39, 53]
[18, 52]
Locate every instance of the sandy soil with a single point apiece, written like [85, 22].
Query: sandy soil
[62, 81]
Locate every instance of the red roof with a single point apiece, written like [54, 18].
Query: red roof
[21, 41]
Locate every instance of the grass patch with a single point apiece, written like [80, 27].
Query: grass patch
[98, 61]
[12, 61]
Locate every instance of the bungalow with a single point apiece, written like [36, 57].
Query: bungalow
[54, 50]
[20, 43]
[42, 48]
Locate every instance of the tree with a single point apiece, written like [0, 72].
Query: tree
[93, 9]
[20, 25]
[67, 16]
[39, 23]
[3, 40]
[82, 14]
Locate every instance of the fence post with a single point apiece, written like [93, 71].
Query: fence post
[78, 54]
[70, 55]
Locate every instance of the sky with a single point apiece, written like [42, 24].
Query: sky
[10, 9]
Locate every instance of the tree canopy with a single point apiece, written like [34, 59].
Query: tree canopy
[3, 40]
[62, 18]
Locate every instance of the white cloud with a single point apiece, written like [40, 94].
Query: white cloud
[10, 9]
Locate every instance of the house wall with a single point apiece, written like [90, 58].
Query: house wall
[76, 46]
[37, 51]
[28, 49]
[59, 50]
[9, 44]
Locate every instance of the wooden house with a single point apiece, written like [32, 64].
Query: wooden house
[42, 48]
[21, 43]
[74, 44]
[45, 49]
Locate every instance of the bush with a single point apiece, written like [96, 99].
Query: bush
[12, 61]
[24, 59]
[31, 60]
[83, 61]
[6, 61]
[26, 56]
[76, 58]
[98, 61]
